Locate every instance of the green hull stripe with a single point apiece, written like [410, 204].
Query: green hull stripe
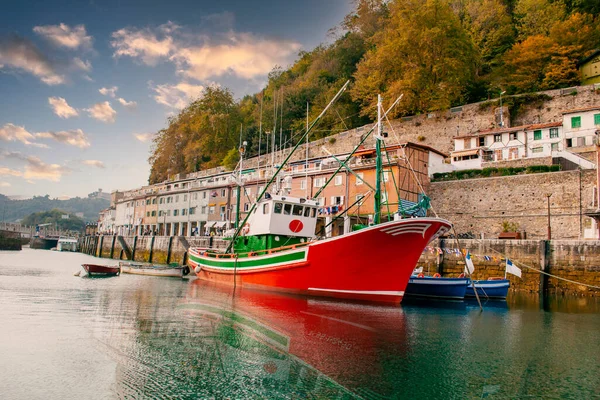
[249, 262]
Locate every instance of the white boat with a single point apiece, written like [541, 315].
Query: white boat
[154, 270]
[66, 244]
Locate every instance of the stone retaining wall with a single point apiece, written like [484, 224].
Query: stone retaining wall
[570, 259]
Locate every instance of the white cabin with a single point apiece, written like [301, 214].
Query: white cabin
[283, 215]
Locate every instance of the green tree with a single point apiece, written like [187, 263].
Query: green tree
[537, 17]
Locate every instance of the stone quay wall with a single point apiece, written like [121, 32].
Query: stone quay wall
[481, 205]
[150, 249]
[575, 260]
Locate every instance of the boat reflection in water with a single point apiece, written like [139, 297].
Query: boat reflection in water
[301, 346]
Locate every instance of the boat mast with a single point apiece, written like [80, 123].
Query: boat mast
[378, 139]
[261, 195]
[306, 164]
[260, 128]
[238, 196]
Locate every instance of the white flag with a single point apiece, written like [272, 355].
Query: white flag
[512, 269]
[469, 267]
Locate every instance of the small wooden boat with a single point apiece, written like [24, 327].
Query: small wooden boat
[154, 270]
[436, 287]
[105, 270]
[494, 288]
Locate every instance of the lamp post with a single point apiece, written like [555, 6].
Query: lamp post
[549, 227]
[501, 110]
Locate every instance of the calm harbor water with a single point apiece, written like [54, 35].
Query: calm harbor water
[67, 337]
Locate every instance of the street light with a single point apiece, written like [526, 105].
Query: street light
[501, 110]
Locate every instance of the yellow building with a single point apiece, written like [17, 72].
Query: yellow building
[590, 68]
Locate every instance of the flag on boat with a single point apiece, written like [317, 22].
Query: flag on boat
[469, 267]
[512, 269]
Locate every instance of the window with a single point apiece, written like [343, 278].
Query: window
[154, 213]
[168, 213]
[177, 199]
[569, 142]
[482, 141]
[537, 135]
[222, 192]
[386, 176]
[287, 209]
[337, 200]
[575, 122]
[185, 197]
[234, 193]
[203, 210]
[169, 199]
[303, 184]
[554, 132]
[148, 202]
[318, 182]
[278, 207]
[537, 150]
[467, 143]
[147, 213]
[161, 200]
[497, 138]
[154, 200]
[596, 119]
[359, 198]
[307, 211]
[195, 196]
[184, 211]
[360, 177]
[260, 189]
[338, 180]
[580, 141]
[175, 213]
[266, 208]
[203, 195]
[211, 209]
[321, 201]
[192, 210]
[297, 211]
[513, 136]
[554, 147]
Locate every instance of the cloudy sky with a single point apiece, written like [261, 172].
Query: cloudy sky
[84, 84]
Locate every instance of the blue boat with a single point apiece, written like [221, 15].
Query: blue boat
[442, 288]
[492, 288]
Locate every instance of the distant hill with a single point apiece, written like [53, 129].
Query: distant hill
[13, 210]
[55, 217]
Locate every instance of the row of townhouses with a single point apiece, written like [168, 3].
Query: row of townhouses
[568, 139]
[205, 203]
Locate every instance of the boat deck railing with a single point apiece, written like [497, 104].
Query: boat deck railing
[254, 253]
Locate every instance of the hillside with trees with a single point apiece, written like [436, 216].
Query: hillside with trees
[13, 210]
[437, 53]
[55, 217]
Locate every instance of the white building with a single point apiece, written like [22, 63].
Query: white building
[580, 127]
[106, 220]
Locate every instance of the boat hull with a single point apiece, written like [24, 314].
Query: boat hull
[442, 288]
[150, 270]
[496, 289]
[94, 269]
[372, 264]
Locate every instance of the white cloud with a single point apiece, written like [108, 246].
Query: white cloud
[21, 54]
[14, 133]
[176, 96]
[202, 57]
[243, 55]
[94, 163]
[74, 137]
[10, 172]
[143, 137]
[82, 65]
[62, 108]
[111, 92]
[4, 184]
[102, 112]
[36, 169]
[131, 105]
[145, 44]
[64, 36]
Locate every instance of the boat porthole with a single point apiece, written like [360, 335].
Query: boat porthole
[277, 238]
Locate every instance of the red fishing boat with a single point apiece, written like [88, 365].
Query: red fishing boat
[105, 270]
[276, 247]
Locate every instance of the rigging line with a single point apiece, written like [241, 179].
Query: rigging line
[535, 269]
[341, 119]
